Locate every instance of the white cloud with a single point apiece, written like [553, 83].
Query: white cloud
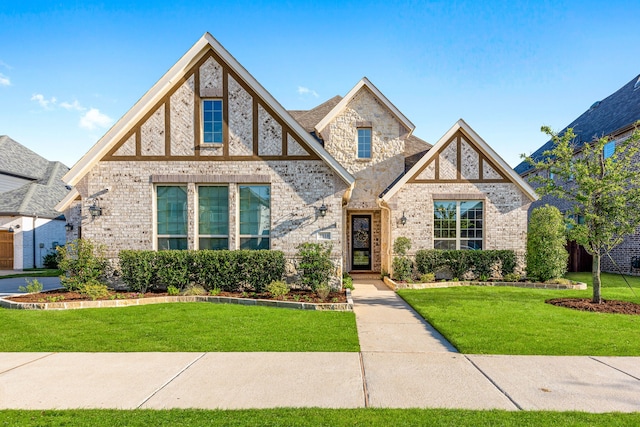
[4, 80]
[306, 91]
[44, 103]
[93, 119]
[75, 105]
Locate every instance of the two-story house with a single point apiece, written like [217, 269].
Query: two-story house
[208, 159]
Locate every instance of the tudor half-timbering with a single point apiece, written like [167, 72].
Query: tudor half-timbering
[208, 159]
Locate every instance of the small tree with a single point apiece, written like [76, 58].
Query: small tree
[402, 266]
[83, 263]
[316, 265]
[546, 240]
[603, 191]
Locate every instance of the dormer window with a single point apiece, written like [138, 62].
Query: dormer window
[364, 143]
[212, 121]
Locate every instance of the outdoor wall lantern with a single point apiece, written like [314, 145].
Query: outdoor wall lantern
[323, 209]
[95, 210]
[68, 226]
[403, 219]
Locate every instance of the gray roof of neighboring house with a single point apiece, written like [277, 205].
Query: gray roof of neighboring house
[415, 147]
[604, 118]
[46, 188]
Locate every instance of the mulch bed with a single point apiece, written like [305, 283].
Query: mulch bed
[66, 296]
[607, 306]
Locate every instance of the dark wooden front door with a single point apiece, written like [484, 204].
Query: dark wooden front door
[6, 250]
[361, 242]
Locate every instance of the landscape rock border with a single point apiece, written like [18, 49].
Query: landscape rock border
[72, 305]
[394, 286]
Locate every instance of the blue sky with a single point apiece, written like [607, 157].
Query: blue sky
[70, 69]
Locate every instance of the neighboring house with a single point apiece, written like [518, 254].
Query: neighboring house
[613, 117]
[208, 159]
[30, 188]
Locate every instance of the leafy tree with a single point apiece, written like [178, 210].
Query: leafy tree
[605, 192]
[546, 240]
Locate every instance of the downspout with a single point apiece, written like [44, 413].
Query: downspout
[33, 235]
[383, 205]
[346, 197]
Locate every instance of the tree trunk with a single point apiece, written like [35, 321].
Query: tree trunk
[595, 274]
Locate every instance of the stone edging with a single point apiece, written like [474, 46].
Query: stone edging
[394, 286]
[70, 305]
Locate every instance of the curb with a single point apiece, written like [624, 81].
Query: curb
[394, 286]
[72, 305]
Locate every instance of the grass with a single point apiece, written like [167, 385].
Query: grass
[313, 417]
[179, 327]
[505, 320]
[35, 272]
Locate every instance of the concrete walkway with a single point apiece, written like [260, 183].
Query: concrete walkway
[403, 363]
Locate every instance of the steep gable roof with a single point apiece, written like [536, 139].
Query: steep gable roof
[604, 118]
[46, 188]
[206, 43]
[479, 143]
[366, 84]
[18, 160]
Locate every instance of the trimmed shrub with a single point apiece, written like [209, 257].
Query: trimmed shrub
[138, 269]
[316, 265]
[82, 262]
[478, 263]
[402, 266]
[546, 254]
[172, 268]
[225, 270]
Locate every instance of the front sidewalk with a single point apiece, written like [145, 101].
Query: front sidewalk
[403, 363]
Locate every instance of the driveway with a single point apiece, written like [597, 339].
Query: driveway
[10, 286]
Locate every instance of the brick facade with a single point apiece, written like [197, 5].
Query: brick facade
[262, 145]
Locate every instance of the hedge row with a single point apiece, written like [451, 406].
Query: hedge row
[479, 263]
[224, 270]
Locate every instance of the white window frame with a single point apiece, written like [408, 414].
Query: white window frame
[370, 142]
[202, 121]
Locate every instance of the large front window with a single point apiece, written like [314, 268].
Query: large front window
[172, 217]
[255, 216]
[213, 217]
[458, 224]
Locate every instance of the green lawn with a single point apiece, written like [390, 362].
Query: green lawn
[177, 327]
[314, 417]
[505, 320]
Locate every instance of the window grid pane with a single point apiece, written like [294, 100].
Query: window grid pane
[212, 121]
[364, 143]
[458, 225]
[255, 216]
[213, 210]
[172, 211]
[609, 149]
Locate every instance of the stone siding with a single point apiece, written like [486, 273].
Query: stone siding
[297, 192]
[387, 147]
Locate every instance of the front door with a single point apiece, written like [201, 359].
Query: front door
[6, 250]
[361, 242]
